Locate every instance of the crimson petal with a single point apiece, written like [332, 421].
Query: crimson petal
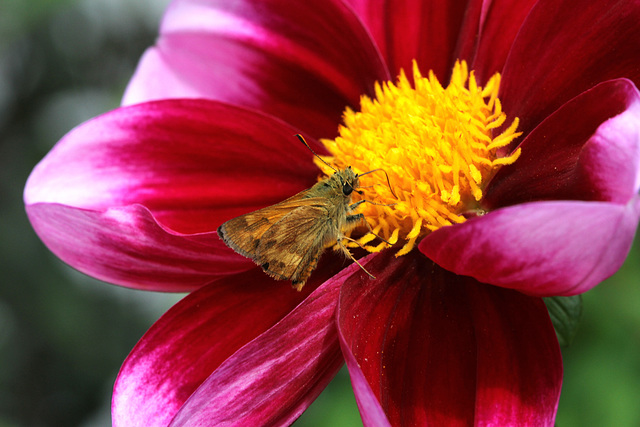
[565, 48]
[299, 61]
[188, 343]
[496, 28]
[426, 31]
[440, 349]
[275, 377]
[593, 155]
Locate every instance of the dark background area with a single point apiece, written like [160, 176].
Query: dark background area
[63, 335]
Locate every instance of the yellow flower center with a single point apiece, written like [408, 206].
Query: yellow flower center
[436, 145]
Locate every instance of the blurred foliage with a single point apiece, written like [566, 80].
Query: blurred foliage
[63, 336]
[602, 366]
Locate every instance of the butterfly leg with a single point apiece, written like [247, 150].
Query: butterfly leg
[351, 223]
[354, 241]
[354, 220]
[346, 251]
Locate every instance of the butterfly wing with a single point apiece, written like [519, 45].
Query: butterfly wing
[290, 248]
[243, 233]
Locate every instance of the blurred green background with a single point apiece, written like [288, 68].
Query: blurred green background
[63, 335]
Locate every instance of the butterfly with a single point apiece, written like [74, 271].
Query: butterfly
[288, 238]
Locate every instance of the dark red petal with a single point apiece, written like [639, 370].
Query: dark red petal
[426, 31]
[519, 361]
[199, 333]
[441, 349]
[499, 23]
[589, 149]
[300, 61]
[274, 378]
[565, 48]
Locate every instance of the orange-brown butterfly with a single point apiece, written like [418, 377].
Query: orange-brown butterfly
[287, 239]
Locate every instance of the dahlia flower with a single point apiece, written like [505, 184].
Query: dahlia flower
[510, 134]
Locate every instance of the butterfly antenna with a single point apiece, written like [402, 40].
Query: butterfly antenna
[301, 138]
[385, 174]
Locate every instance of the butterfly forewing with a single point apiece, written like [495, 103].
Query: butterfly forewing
[290, 248]
[282, 248]
[243, 234]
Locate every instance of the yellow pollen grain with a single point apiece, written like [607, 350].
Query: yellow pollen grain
[438, 146]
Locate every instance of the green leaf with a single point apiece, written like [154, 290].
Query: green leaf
[565, 313]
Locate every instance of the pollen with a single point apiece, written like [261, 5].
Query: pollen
[438, 146]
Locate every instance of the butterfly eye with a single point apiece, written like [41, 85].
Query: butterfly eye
[346, 188]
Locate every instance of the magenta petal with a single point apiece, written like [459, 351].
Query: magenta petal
[193, 163]
[542, 248]
[274, 378]
[371, 411]
[299, 61]
[440, 349]
[565, 48]
[199, 333]
[126, 246]
[593, 155]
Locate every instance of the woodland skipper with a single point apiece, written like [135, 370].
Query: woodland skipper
[287, 239]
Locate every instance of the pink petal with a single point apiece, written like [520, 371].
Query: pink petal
[542, 248]
[133, 197]
[426, 31]
[439, 349]
[592, 155]
[565, 48]
[611, 158]
[198, 334]
[371, 411]
[299, 61]
[126, 246]
[275, 377]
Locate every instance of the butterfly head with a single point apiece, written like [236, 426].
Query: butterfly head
[346, 181]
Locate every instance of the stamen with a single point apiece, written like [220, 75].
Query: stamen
[437, 146]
